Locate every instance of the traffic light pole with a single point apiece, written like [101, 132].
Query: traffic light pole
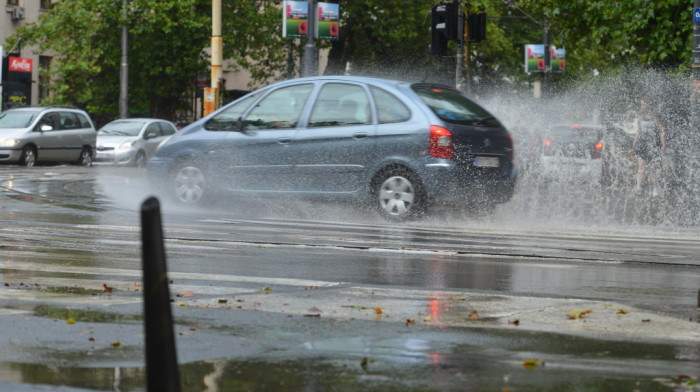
[310, 68]
[460, 46]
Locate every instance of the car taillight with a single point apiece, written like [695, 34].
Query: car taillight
[597, 151]
[441, 145]
[547, 148]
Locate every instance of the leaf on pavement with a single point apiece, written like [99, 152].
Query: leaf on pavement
[474, 315]
[622, 311]
[187, 293]
[578, 313]
[533, 363]
[70, 321]
[410, 321]
[515, 322]
[106, 289]
[117, 344]
[378, 310]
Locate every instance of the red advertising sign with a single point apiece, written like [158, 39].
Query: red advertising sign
[20, 64]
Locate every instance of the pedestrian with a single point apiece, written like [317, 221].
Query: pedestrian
[649, 146]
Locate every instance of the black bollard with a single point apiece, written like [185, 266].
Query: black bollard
[161, 357]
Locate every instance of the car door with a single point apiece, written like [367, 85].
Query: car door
[47, 137]
[332, 152]
[152, 137]
[71, 134]
[258, 157]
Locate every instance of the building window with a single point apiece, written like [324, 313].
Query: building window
[12, 2]
[45, 4]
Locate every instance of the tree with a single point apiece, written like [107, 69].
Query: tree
[165, 40]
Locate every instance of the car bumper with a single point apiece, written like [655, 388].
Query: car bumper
[10, 155]
[113, 158]
[448, 182]
[568, 169]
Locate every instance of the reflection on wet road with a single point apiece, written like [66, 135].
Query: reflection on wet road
[316, 278]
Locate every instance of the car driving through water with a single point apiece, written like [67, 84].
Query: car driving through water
[400, 148]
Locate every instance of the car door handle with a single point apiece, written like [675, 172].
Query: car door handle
[360, 135]
[284, 140]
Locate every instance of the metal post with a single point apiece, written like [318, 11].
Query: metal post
[547, 55]
[689, 157]
[161, 356]
[212, 93]
[460, 46]
[310, 48]
[124, 66]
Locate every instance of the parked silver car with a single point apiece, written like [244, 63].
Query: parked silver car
[131, 142]
[46, 134]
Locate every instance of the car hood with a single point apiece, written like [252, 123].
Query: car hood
[9, 133]
[112, 141]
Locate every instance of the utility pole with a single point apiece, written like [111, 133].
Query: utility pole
[547, 55]
[689, 157]
[124, 66]
[212, 94]
[310, 68]
[459, 77]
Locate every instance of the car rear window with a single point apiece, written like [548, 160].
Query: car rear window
[454, 107]
[575, 134]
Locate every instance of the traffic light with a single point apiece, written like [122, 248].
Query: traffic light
[477, 27]
[438, 25]
[444, 19]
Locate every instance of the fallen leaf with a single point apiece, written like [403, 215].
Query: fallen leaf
[312, 315]
[428, 319]
[578, 313]
[378, 310]
[366, 361]
[621, 311]
[91, 339]
[532, 363]
[266, 289]
[116, 344]
[474, 315]
[182, 304]
[515, 322]
[106, 289]
[187, 293]
[410, 321]
[646, 321]
[70, 321]
[223, 301]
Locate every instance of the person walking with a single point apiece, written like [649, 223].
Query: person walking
[649, 146]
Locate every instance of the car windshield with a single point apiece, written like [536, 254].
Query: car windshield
[452, 106]
[18, 119]
[122, 128]
[575, 134]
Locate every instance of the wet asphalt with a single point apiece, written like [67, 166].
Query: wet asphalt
[298, 296]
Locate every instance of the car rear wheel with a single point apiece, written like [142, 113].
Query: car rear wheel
[85, 157]
[140, 160]
[189, 184]
[28, 157]
[399, 195]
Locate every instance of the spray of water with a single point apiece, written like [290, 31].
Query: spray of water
[612, 100]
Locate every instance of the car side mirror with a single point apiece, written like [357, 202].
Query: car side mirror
[150, 135]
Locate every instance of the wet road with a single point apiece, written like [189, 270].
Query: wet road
[328, 298]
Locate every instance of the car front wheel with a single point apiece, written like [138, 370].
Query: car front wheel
[189, 184]
[140, 160]
[399, 195]
[28, 158]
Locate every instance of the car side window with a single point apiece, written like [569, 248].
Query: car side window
[152, 128]
[340, 104]
[227, 119]
[166, 129]
[279, 109]
[84, 123]
[68, 120]
[48, 119]
[389, 108]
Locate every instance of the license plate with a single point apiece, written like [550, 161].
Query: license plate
[486, 161]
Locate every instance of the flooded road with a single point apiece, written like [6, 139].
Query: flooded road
[299, 297]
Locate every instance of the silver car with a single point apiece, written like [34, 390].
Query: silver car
[46, 134]
[131, 142]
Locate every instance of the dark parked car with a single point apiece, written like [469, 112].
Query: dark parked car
[399, 146]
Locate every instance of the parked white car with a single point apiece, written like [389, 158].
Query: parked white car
[131, 142]
[573, 152]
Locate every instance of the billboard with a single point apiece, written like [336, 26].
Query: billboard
[534, 58]
[328, 15]
[295, 20]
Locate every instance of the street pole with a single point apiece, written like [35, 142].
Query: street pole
[310, 48]
[460, 46]
[124, 66]
[547, 55]
[212, 93]
[690, 158]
